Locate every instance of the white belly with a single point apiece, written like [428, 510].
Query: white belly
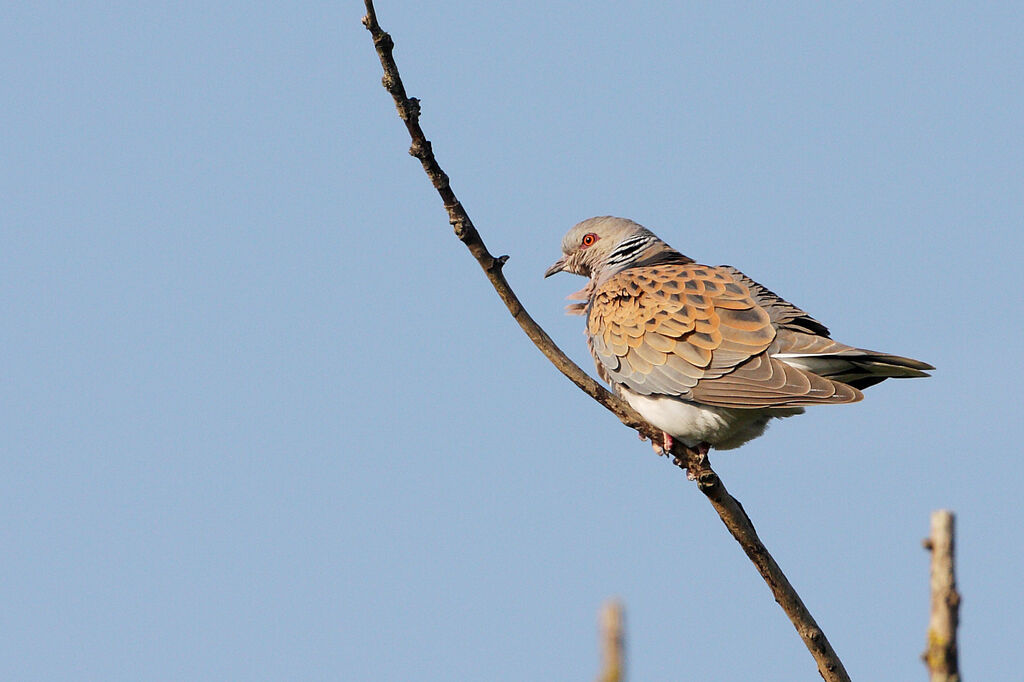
[723, 428]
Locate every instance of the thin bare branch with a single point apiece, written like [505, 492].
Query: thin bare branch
[941, 655]
[698, 467]
[742, 528]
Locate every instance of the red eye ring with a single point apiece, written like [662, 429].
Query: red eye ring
[589, 239]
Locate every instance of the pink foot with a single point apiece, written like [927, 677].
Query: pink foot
[664, 447]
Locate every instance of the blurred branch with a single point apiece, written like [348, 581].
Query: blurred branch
[941, 653]
[612, 643]
[697, 466]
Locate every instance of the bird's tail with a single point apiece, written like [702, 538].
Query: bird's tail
[858, 367]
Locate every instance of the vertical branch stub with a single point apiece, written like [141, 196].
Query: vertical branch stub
[613, 667]
[941, 655]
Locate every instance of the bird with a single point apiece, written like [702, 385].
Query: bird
[704, 353]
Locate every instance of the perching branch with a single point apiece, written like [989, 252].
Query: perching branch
[698, 467]
[941, 653]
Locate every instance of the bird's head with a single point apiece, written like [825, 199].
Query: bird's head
[600, 247]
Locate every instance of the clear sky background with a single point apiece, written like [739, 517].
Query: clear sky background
[264, 419]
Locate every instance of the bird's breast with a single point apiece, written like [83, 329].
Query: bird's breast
[723, 428]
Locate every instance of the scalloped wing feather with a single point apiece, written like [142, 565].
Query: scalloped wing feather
[701, 333]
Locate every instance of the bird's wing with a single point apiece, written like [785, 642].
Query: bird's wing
[784, 314]
[698, 333]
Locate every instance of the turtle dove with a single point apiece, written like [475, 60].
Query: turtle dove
[705, 354]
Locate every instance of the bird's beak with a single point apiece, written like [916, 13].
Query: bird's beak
[557, 266]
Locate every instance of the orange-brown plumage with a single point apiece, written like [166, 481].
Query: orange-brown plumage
[704, 352]
[637, 320]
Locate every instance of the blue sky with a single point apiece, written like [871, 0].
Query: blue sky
[263, 417]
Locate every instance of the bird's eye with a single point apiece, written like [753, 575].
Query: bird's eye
[588, 240]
